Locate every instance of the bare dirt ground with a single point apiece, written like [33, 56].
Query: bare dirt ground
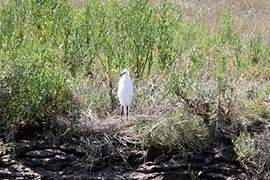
[109, 152]
[112, 149]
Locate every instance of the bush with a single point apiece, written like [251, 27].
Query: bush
[257, 50]
[46, 22]
[34, 84]
[32, 73]
[167, 23]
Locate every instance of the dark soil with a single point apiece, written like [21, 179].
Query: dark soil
[111, 155]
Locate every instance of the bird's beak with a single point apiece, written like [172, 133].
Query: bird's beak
[122, 73]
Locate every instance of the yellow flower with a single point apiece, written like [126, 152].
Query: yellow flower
[114, 70]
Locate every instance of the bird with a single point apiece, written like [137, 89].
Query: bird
[125, 92]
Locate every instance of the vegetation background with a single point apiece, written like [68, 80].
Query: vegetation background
[201, 70]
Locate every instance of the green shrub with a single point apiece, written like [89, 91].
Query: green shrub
[30, 20]
[167, 23]
[227, 33]
[140, 27]
[32, 59]
[124, 34]
[34, 83]
[257, 50]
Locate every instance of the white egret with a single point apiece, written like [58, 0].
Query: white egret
[125, 91]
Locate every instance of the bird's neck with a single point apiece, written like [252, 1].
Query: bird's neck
[126, 77]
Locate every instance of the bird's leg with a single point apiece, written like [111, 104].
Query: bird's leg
[127, 112]
[122, 110]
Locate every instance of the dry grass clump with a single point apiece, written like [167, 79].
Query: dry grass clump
[181, 131]
[251, 100]
[151, 96]
[251, 17]
[91, 94]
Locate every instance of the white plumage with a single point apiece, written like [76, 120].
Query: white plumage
[125, 91]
